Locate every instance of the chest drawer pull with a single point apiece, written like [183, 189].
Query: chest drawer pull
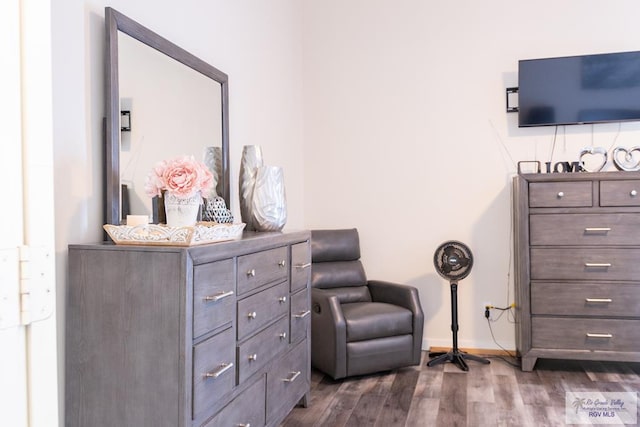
[599, 300]
[252, 315]
[592, 335]
[303, 266]
[597, 264]
[633, 193]
[597, 229]
[292, 378]
[282, 300]
[221, 370]
[253, 357]
[251, 273]
[218, 296]
[243, 425]
[302, 314]
[560, 194]
[282, 263]
[283, 335]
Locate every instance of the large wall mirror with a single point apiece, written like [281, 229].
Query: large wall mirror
[175, 104]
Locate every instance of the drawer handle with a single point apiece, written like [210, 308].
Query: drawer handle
[302, 314]
[282, 263]
[303, 266]
[252, 315]
[633, 193]
[283, 335]
[251, 273]
[243, 425]
[599, 300]
[221, 370]
[293, 377]
[253, 357]
[218, 296]
[597, 229]
[282, 300]
[560, 194]
[597, 264]
[591, 335]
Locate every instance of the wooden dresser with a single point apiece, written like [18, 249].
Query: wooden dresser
[212, 335]
[577, 266]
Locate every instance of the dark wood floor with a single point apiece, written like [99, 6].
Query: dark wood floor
[497, 394]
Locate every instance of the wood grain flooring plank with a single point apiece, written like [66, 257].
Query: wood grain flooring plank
[423, 412]
[452, 410]
[396, 407]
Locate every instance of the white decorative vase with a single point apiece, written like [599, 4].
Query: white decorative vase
[269, 204]
[182, 211]
[251, 161]
[213, 161]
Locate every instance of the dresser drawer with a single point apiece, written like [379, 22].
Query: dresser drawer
[585, 334]
[288, 381]
[586, 299]
[254, 353]
[214, 373]
[248, 408]
[300, 266]
[300, 315]
[560, 194]
[585, 229]
[585, 264]
[259, 309]
[213, 296]
[258, 269]
[620, 193]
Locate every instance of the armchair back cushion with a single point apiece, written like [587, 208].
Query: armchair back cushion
[336, 265]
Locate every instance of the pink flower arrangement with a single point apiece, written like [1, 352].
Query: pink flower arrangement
[183, 176]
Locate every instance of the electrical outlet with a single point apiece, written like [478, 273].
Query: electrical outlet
[485, 310]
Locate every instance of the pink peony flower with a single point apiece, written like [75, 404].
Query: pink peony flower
[182, 176]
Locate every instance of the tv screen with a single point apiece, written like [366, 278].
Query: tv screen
[579, 89]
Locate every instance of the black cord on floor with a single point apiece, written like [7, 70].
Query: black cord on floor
[503, 349]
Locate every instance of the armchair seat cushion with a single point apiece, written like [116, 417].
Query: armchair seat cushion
[371, 320]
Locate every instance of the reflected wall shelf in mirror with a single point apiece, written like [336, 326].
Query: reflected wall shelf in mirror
[178, 104]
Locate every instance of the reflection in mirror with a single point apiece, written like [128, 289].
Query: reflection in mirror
[174, 111]
[178, 105]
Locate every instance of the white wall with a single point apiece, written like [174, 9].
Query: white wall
[407, 137]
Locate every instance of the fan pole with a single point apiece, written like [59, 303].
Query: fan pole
[455, 356]
[454, 315]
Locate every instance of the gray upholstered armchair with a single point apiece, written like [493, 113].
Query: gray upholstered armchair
[358, 326]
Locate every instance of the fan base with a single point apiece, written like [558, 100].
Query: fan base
[456, 357]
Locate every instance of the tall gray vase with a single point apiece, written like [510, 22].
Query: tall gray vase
[213, 161]
[249, 164]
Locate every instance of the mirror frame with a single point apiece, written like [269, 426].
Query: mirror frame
[114, 22]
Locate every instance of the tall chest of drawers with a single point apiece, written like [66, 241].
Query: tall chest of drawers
[212, 335]
[577, 266]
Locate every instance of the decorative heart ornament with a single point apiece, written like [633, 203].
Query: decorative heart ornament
[592, 158]
[625, 160]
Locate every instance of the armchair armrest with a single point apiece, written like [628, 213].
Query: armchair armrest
[328, 333]
[396, 294]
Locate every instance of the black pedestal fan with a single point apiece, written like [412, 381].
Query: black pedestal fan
[453, 261]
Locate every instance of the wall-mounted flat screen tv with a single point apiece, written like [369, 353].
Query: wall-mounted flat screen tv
[579, 89]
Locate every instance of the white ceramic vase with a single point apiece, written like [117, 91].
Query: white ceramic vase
[269, 203]
[251, 161]
[181, 211]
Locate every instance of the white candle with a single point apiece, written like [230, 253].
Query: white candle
[133, 220]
